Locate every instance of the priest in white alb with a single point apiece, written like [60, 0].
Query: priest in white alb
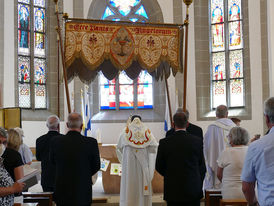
[136, 150]
[215, 141]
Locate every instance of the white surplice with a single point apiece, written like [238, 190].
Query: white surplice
[136, 150]
[215, 141]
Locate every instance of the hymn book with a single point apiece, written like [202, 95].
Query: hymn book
[32, 176]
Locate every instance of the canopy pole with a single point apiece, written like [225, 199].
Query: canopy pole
[58, 76]
[186, 23]
[168, 100]
[62, 55]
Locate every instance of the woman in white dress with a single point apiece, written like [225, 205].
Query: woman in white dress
[230, 164]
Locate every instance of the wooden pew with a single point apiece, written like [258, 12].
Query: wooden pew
[43, 198]
[240, 202]
[42, 201]
[212, 197]
[99, 200]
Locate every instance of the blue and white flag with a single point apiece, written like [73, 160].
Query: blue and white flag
[85, 111]
[167, 120]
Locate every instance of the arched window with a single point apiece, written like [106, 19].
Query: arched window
[125, 10]
[122, 92]
[226, 48]
[32, 54]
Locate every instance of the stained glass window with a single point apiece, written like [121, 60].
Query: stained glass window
[23, 29]
[24, 1]
[235, 35]
[125, 10]
[219, 93]
[39, 71]
[39, 44]
[107, 93]
[227, 70]
[24, 95]
[218, 66]
[144, 87]
[234, 7]
[40, 96]
[107, 13]
[23, 69]
[141, 11]
[218, 43]
[31, 54]
[122, 92]
[236, 92]
[40, 3]
[217, 11]
[39, 16]
[236, 64]
[125, 92]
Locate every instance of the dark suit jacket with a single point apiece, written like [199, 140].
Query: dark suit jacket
[76, 158]
[191, 128]
[42, 154]
[180, 160]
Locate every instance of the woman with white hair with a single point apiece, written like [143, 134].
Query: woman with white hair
[24, 150]
[230, 164]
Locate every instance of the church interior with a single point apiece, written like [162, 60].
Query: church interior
[229, 61]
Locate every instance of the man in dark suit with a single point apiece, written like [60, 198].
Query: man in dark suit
[77, 159]
[190, 128]
[180, 160]
[42, 154]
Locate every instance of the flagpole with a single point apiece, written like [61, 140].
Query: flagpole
[186, 23]
[62, 55]
[168, 100]
[83, 110]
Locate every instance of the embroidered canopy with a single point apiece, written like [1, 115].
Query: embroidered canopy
[92, 46]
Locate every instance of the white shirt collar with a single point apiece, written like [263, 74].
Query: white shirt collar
[180, 130]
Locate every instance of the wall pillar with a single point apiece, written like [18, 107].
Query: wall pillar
[270, 27]
[1, 51]
[9, 48]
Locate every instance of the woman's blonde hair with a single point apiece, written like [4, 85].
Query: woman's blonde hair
[14, 139]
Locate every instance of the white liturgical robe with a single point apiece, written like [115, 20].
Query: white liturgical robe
[215, 141]
[136, 150]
